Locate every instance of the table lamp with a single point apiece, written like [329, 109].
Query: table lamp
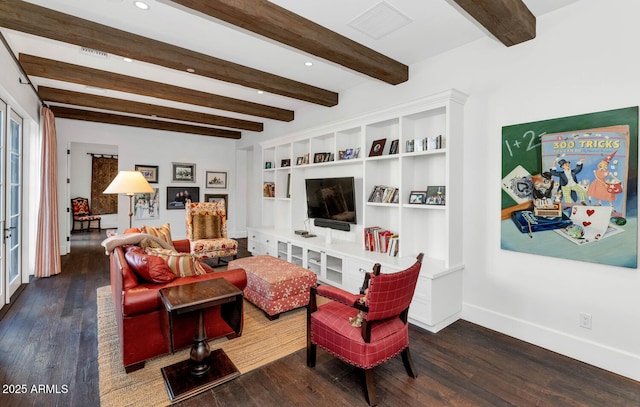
[129, 183]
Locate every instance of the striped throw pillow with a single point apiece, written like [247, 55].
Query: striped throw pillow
[163, 232]
[181, 264]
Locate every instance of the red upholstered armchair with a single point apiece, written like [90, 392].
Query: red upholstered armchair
[381, 309]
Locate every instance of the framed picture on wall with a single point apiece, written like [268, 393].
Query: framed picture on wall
[149, 172]
[216, 179]
[216, 198]
[183, 172]
[178, 196]
[147, 205]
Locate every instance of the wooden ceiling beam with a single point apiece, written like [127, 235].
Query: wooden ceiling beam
[43, 22]
[61, 112]
[510, 21]
[120, 105]
[281, 25]
[62, 71]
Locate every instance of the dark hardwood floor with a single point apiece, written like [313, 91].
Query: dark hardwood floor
[48, 344]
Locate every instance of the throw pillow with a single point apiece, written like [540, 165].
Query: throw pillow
[163, 232]
[206, 227]
[150, 268]
[181, 264]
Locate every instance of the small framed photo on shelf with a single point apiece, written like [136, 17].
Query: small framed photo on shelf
[267, 165]
[409, 146]
[300, 160]
[216, 179]
[348, 153]
[183, 172]
[356, 152]
[377, 147]
[393, 148]
[285, 163]
[149, 172]
[417, 197]
[269, 190]
[436, 195]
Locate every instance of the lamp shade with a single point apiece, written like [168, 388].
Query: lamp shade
[128, 182]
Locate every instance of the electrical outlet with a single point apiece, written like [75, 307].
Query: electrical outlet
[585, 320]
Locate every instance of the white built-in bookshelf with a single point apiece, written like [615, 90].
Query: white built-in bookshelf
[340, 258]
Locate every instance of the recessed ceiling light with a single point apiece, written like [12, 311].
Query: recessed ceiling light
[191, 70]
[308, 63]
[141, 5]
[260, 92]
[125, 59]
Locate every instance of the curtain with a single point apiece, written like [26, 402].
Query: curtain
[48, 236]
[103, 171]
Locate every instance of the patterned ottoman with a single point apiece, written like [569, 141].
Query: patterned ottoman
[275, 285]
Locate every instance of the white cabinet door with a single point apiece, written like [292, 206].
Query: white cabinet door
[253, 242]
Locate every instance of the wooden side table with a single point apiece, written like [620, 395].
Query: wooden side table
[204, 369]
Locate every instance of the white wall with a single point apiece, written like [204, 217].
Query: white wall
[583, 60]
[152, 147]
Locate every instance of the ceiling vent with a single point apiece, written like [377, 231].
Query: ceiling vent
[380, 20]
[94, 52]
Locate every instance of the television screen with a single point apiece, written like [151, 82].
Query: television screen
[331, 198]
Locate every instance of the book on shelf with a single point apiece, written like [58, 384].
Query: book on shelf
[269, 190]
[394, 246]
[382, 194]
[434, 143]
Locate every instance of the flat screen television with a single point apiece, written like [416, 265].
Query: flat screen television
[332, 199]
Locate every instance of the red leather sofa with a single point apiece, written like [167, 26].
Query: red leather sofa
[143, 324]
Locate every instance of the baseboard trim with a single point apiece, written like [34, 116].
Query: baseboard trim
[605, 357]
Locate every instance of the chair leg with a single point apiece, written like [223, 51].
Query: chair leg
[408, 363]
[311, 355]
[370, 387]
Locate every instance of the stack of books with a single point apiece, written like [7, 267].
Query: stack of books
[377, 239]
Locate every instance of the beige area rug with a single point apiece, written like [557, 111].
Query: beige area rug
[262, 341]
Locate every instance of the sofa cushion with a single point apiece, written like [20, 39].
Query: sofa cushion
[181, 264]
[206, 227]
[150, 268]
[162, 232]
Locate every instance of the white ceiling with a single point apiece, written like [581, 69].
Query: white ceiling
[436, 26]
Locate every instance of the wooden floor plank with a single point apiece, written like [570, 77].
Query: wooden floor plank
[48, 337]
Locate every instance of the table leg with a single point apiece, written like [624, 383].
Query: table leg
[200, 350]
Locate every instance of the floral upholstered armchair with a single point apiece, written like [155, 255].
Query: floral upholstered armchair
[207, 230]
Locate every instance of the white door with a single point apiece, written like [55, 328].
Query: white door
[10, 201]
[13, 202]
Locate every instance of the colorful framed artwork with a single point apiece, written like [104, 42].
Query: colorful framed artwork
[569, 187]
